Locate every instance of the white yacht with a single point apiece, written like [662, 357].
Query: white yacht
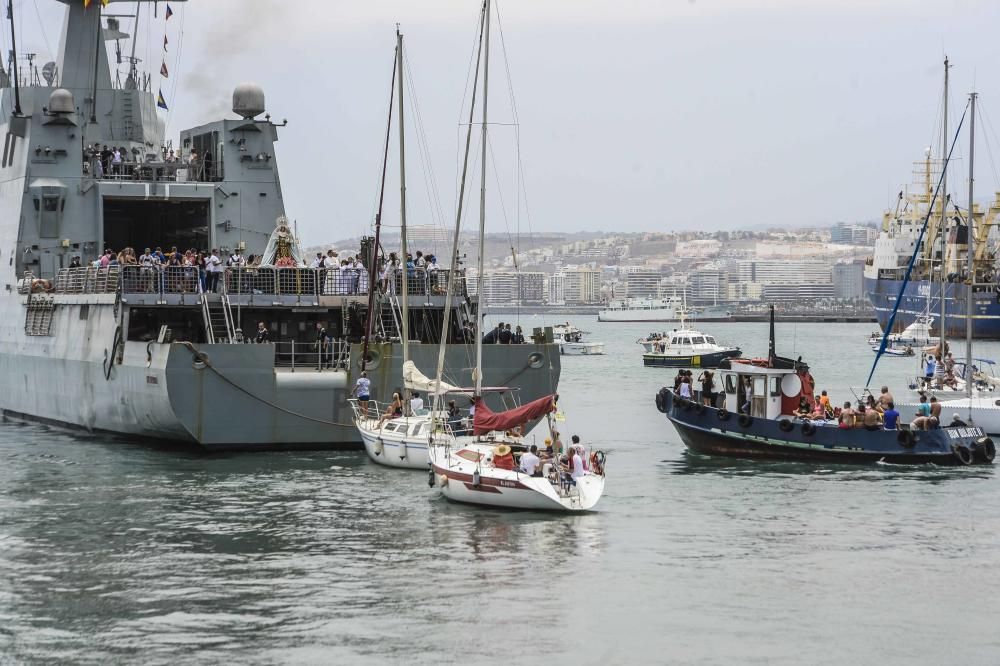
[571, 342]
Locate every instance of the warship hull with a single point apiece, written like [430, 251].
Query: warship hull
[217, 396]
[914, 303]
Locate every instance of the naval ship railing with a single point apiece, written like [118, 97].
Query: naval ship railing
[249, 281]
[331, 355]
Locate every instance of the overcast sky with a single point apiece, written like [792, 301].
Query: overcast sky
[634, 115]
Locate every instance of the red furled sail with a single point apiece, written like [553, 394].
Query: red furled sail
[486, 420]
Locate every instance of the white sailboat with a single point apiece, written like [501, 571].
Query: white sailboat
[390, 438]
[978, 407]
[493, 466]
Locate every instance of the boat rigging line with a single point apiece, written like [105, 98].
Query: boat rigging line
[916, 251]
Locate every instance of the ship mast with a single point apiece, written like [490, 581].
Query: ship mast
[944, 213]
[405, 333]
[482, 207]
[970, 253]
[13, 59]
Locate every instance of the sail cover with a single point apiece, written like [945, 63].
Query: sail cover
[486, 420]
[415, 380]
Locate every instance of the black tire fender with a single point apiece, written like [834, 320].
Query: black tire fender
[723, 414]
[746, 420]
[785, 425]
[906, 439]
[808, 429]
[986, 449]
[699, 408]
[962, 453]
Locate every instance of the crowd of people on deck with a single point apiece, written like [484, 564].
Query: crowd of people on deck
[121, 163]
[939, 372]
[502, 334]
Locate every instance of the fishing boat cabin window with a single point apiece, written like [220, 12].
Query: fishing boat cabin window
[731, 384]
[698, 341]
[709, 339]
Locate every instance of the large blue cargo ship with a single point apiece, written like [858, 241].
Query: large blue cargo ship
[922, 296]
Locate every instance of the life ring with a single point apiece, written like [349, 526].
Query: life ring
[723, 414]
[374, 358]
[661, 400]
[962, 453]
[785, 425]
[746, 420]
[597, 459]
[985, 449]
[808, 429]
[906, 439]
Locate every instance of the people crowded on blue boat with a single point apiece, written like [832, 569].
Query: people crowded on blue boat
[804, 411]
[923, 415]
[870, 418]
[846, 418]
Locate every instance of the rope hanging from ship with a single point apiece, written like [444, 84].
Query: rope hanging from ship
[916, 250]
[202, 358]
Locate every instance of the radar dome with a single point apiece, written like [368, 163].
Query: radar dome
[61, 101]
[248, 100]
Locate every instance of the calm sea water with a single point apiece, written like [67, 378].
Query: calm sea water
[113, 552]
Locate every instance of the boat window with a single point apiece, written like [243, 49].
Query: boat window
[759, 386]
[416, 429]
[698, 341]
[730, 383]
[675, 341]
[709, 339]
[390, 427]
[775, 386]
[686, 341]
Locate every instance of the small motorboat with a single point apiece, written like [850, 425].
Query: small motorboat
[571, 342]
[686, 348]
[916, 334]
[905, 350]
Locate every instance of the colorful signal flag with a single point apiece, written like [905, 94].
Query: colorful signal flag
[160, 102]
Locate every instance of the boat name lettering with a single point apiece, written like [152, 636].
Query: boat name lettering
[508, 484]
[924, 289]
[962, 433]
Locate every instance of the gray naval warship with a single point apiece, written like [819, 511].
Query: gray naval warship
[142, 351]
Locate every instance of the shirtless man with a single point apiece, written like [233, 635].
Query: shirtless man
[846, 416]
[885, 399]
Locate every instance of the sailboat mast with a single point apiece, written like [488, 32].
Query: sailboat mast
[369, 319]
[970, 251]
[482, 206]
[944, 212]
[405, 333]
[453, 266]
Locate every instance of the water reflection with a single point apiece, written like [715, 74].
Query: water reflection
[695, 463]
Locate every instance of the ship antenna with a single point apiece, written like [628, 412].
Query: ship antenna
[99, 41]
[13, 55]
[770, 340]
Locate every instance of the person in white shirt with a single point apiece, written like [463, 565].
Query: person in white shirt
[576, 469]
[685, 389]
[362, 389]
[416, 404]
[318, 261]
[236, 259]
[530, 461]
[213, 267]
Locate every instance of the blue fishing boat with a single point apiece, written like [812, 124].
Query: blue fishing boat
[757, 419]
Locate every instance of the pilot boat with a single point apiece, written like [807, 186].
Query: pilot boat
[685, 348]
[571, 342]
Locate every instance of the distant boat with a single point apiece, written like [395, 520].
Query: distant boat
[685, 348]
[571, 342]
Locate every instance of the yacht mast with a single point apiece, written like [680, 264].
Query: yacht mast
[944, 214]
[378, 225]
[482, 207]
[970, 253]
[405, 333]
[453, 266]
